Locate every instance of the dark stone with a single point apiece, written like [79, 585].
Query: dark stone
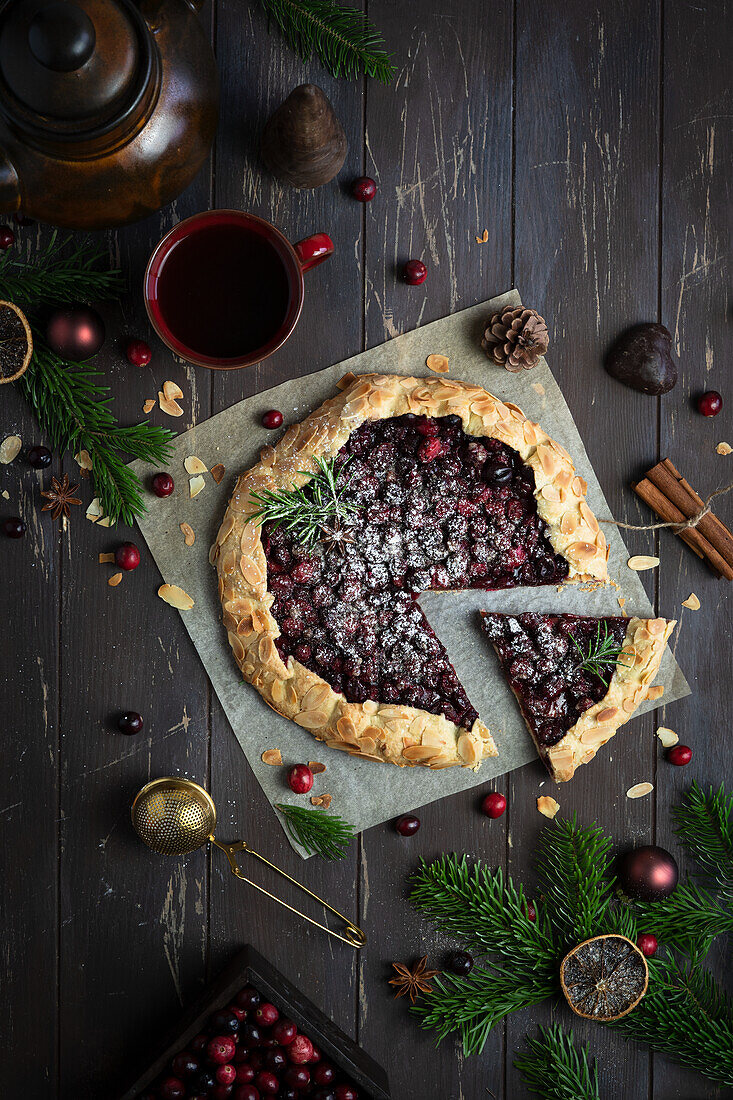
[642, 359]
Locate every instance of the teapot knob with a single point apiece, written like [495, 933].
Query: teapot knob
[61, 36]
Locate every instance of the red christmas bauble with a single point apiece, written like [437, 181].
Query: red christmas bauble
[75, 332]
[648, 873]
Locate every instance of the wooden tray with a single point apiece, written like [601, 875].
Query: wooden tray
[248, 967]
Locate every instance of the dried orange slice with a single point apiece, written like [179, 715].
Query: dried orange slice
[16, 342]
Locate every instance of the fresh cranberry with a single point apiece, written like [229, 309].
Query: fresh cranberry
[130, 722]
[679, 755]
[245, 1073]
[240, 1013]
[127, 556]
[531, 912]
[138, 353]
[267, 1082]
[325, 1092]
[429, 449]
[13, 527]
[203, 1082]
[246, 1092]
[39, 457]
[172, 1089]
[426, 425]
[364, 189]
[221, 1092]
[298, 1077]
[226, 1075]
[407, 825]
[346, 1092]
[315, 1054]
[224, 1022]
[163, 485]
[251, 1035]
[275, 1060]
[248, 997]
[256, 1060]
[710, 403]
[324, 1074]
[460, 963]
[647, 944]
[300, 779]
[415, 272]
[272, 419]
[220, 1049]
[284, 1031]
[287, 1093]
[7, 237]
[300, 1050]
[198, 1043]
[493, 805]
[185, 1064]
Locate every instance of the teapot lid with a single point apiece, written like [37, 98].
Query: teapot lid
[72, 68]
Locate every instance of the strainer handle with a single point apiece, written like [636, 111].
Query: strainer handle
[352, 934]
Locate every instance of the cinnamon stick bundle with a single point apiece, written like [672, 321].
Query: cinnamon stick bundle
[668, 493]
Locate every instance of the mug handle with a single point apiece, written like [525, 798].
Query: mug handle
[314, 250]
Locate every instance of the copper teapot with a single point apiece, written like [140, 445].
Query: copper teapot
[108, 108]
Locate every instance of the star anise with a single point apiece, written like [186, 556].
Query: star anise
[60, 497]
[413, 982]
[336, 537]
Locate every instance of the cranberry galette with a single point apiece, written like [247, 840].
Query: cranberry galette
[394, 486]
[576, 679]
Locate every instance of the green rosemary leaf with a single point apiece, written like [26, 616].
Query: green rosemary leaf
[602, 652]
[317, 831]
[308, 509]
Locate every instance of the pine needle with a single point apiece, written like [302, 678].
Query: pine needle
[309, 509]
[602, 654]
[318, 832]
[344, 39]
[704, 824]
[574, 866]
[555, 1069]
[689, 919]
[66, 270]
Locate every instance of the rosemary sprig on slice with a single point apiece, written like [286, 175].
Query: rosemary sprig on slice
[318, 832]
[308, 509]
[601, 651]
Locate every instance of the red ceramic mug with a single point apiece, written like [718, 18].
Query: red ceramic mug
[224, 289]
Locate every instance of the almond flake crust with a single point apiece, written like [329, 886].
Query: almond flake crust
[402, 735]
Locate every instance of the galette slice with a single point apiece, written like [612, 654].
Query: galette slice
[576, 679]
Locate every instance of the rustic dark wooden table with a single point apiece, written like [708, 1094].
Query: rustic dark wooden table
[594, 145]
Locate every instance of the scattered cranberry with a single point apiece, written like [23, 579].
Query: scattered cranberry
[297, 1077]
[7, 237]
[346, 1092]
[460, 963]
[248, 997]
[267, 1082]
[138, 353]
[245, 1073]
[647, 944]
[163, 485]
[710, 403]
[226, 1075]
[680, 755]
[531, 912]
[300, 779]
[185, 1064]
[364, 189]
[300, 1050]
[172, 1089]
[429, 449]
[13, 527]
[39, 457]
[493, 805]
[324, 1074]
[415, 272]
[131, 722]
[246, 1092]
[272, 419]
[127, 556]
[407, 825]
[220, 1049]
[284, 1031]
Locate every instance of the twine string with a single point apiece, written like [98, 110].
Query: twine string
[676, 525]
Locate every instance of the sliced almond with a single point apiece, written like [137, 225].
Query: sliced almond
[188, 534]
[172, 391]
[105, 559]
[148, 405]
[724, 448]
[667, 737]
[175, 596]
[346, 381]
[172, 408]
[547, 805]
[272, 756]
[485, 236]
[5, 494]
[195, 485]
[217, 472]
[94, 511]
[437, 363]
[316, 767]
[114, 580]
[194, 465]
[323, 800]
[10, 448]
[642, 561]
[538, 388]
[105, 521]
[622, 601]
[83, 460]
[639, 790]
[655, 692]
[692, 602]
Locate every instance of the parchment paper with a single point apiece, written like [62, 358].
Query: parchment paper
[364, 792]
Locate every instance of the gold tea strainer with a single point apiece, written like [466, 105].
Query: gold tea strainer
[177, 816]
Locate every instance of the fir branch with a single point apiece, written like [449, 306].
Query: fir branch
[307, 509]
[686, 1015]
[64, 271]
[316, 831]
[555, 1069]
[344, 39]
[689, 919]
[574, 865]
[602, 654]
[704, 824]
[74, 410]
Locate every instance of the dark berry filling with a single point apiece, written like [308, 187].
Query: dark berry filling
[542, 662]
[434, 509]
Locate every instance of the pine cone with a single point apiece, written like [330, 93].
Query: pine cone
[516, 338]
